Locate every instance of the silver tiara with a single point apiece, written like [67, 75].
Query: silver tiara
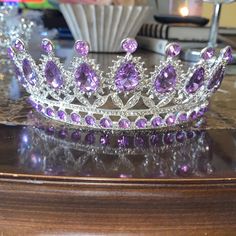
[126, 98]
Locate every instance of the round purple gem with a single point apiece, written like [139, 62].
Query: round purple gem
[141, 123]
[61, 115]
[180, 136]
[196, 81]
[124, 123]
[156, 122]
[183, 117]
[75, 136]
[10, 52]
[50, 130]
[106, 123]
[170, 120]
[86, 78]
[123, 141]
[104, 139]
[193, 115]
[129, 45]
[139, 141]
[166, 80]
[184, 170]
[190, 134]
[173, 49]
[81, 47]
[28, 71]
[47, 45]
[75, 117]
[216, 80]
[39, 108]
[155, 139]
[90, 120]
[207, 53]
[201, 112]
[227, 54]
[127, 77]
[169, 138]
[19, 45]
[50, 111]
[90, 138]
[53, 75]
[63, 133]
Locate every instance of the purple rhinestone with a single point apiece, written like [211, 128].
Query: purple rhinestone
[169, 138]
[49, 112]
[75, 136]
[50, 130]
[201, 112]
[193, 115]
[10, 52]
[139, 142]
[216, 80]
[127, 77]
[75, 117]
[166, 80]
[124, 123]
[106, 123]
[86, 78]
[184, 170]
[61, 115]
[173, 50]
[90, 120]
[123, 141]
[183, 117]
[29, 73]
[104, 139]
[156, 122]
[129, 45]
[155, 139]
[190, 134]
[180, 136]
[170, 120]
[207, 53]
[227, 54]
[196, 81]
[39, 108]
[141, 123]
[81, 47]
[63, 133]
[47, 45]
[19, 75]
[19, 45]
[53, 75]
[90, 138]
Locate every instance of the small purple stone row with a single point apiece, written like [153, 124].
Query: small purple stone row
[122, 140]
[123, 123]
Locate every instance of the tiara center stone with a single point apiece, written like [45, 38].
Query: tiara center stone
[53, 75]
[127, 77]
[86, 78]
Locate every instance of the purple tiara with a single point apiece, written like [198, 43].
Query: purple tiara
[126, 98]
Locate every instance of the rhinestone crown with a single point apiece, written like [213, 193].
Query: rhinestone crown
[126, 98]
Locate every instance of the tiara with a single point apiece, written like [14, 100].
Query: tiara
[125, 98]
[44, 146]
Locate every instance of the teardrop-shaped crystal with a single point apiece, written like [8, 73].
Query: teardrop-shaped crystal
[127, 77]
[166, 80]
[216, 80]
[53, 75]
[196, 81]
[28, 72]
[86, 78]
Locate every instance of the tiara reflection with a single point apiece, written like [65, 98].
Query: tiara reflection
[50, 150]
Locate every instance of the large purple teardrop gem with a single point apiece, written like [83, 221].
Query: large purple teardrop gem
[29, 73]
[86, 79]
[166, 80]
[216, 80]
[127, 77]
[196, 81]
[53, 75]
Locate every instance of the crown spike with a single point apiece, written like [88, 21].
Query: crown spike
[226, 54]
[81, 47]
[19, 45]
[47, 45]
[207, 53]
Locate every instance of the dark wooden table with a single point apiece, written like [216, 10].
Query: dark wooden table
[51, 184]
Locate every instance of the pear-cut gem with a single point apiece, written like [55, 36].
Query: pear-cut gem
[86, 78]
[29, 73]
[53, 75]
[196, 81]
[127, 77]
[166, 80]
[216, 80]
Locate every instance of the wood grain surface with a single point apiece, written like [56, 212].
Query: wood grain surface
[58, 209]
